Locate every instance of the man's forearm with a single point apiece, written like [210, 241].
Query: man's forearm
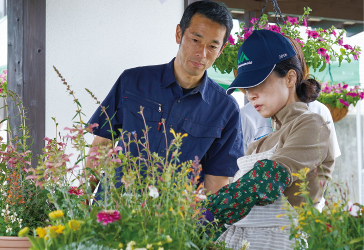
[212, 183]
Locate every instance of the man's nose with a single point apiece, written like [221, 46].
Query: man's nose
[251, 94]
[201, 51]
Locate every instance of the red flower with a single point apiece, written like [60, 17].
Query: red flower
[75, 191]
[108, 216]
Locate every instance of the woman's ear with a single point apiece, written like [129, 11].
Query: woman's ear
[291, 78]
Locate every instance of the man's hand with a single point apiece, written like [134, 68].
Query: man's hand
[212, 183]
[92, 179]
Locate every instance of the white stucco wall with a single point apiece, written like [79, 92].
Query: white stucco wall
[91, 42]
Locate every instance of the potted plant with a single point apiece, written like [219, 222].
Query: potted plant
[22, 203]
[320, 46]
[160, 212]
[339, 97]
[338, 226]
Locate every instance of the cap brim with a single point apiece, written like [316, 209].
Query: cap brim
[250, 79]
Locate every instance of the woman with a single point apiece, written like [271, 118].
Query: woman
[271, 72]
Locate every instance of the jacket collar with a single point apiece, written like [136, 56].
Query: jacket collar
[288, 113]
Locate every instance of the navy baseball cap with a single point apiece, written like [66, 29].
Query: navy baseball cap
[258, 56]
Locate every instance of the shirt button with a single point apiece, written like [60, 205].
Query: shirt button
[178, 101]
[170, 126]
[162, 151]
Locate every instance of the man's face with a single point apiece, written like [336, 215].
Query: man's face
[200, 45]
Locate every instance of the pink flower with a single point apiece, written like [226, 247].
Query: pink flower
[305, 22]
[274, 28]
[5, 71]
[347, 46]
[361, 95]
[321, 51]
[321, 39]
[355, 57]
[344, 102]
[291, 20]
[324, 85]
[231, 40]
[333, 32]
[313, 34]
[327, 58]
[254, 20]
[247, 32]
[75, 191]
[108, 216]
[340, 42]
[299, 41]
[345, 86]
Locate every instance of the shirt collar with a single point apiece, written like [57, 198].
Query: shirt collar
[168, 78]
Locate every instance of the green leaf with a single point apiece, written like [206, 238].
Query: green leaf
[323, 67]
[356, 240]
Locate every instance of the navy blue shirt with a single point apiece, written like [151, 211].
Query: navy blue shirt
[209, 116]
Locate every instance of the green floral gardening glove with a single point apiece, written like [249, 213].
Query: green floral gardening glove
[261, 186]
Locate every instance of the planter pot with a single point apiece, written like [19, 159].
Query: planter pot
[14, 243]
[336, 113]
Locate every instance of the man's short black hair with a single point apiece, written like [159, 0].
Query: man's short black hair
[212, 10]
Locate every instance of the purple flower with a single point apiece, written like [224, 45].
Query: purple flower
[340, 42]
[313, 34]
[108, 216]
[344, 102]
[321, 51]
[247, 32]
[254, 20]
[305, 22]
[347, 46]
[291, 20]
[327, 58]
[231, 40]
[274, 28]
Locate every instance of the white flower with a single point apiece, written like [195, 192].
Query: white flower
[130, 245]
[2, 214]
[153, 192]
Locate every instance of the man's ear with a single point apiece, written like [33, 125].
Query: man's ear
[223, 47]
[291, 78]
[178, 34]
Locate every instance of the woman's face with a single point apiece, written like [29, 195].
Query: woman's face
[273, 94]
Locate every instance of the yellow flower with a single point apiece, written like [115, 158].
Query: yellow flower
[160, 248]
[41, 232]
[172, 132]
[169, 239]
[74, 225]
[120, 245]
[171, 209]
[318, 221]
[309, 213]
[159, 243]
[297, 175]
[23, 232]
[282, 228]
[280, 215]
[59, 229]
[149, 246]
[56, 214]
[306, 170]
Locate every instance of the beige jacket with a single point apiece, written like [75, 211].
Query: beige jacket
[304, 140]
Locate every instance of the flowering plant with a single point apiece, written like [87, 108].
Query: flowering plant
[161, 210]
[21, 202]
[320, 46]
[338, 226]
[339, 95]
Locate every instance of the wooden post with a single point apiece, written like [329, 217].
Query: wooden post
[26, 68]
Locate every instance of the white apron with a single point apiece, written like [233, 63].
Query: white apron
[261, 228]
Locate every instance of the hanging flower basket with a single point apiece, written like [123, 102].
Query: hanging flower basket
[337, 113]
[14, 243]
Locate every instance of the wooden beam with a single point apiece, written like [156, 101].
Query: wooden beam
[343, 9]
[26, 64]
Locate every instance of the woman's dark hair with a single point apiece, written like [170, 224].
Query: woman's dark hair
[307, 88]
[212, 10]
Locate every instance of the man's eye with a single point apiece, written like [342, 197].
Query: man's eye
[213, 47]
[195, 40]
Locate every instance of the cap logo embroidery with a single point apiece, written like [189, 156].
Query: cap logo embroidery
[242, 58]
[282, 55]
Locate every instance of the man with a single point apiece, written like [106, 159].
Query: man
[181, 93]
